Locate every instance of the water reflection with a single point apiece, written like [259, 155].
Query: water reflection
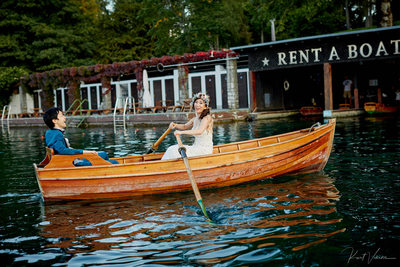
[265, 223]
[253, 222]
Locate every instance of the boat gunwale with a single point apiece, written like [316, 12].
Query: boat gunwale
[320, 128]
[183, 170]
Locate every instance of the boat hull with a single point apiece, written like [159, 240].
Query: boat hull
[311, 111]
[297, 152]
[379, 108]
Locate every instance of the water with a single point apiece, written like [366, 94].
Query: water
[346, 215]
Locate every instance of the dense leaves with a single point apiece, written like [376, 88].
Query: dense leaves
[9, 78]
[121, 35]
[184, 26]
[44, 35]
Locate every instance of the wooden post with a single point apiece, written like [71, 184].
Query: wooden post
[23, 101]
[232, 83]
[183, 77]
[328, 86]
[106, 92]
[356, 100]
[379, 92]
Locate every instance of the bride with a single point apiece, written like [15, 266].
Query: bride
[202, 130]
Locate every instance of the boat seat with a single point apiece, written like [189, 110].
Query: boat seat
[49, 154]
[53, 161]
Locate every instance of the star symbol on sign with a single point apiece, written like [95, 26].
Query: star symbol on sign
[265, 61]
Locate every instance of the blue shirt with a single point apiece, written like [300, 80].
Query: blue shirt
[55, 140]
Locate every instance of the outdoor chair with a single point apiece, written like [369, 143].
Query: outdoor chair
[187, 105]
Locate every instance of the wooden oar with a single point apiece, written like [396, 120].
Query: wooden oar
[156, 144]
[182, 151]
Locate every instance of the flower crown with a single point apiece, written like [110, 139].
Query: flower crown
[202, 96]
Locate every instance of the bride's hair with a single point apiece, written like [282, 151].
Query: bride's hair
[205, 112]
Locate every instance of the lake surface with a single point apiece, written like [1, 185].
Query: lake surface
[347, 215]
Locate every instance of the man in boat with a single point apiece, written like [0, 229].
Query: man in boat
[201, 128]
[55, 139]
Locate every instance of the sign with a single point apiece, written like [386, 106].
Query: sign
[326, 50]
[373, 82]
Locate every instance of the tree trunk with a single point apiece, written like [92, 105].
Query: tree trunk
[367, 12]
[386, 18]
[262, 34]
[348, 25]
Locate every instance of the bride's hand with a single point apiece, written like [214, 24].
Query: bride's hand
[177, 133]
[172, 125]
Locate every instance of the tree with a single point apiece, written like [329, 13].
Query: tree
[121, 34]
[362, 13]
[296, 18]
[9, 81]
[169, 26]
[218, 24]
[384, 13]
[44, 35]
[184, 26]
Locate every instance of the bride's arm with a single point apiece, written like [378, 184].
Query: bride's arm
[185, 126]
[205, 122]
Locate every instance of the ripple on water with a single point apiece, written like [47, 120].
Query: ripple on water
[258, 224]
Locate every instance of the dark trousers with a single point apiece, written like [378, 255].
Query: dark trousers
[84, 162]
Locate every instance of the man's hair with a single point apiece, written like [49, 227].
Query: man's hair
[50, 115]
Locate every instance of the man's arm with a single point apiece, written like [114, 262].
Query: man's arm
[56, 141]
[60, 148]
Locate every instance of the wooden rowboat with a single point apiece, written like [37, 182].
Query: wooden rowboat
[311, 111]
[379, 108]
[302, 151]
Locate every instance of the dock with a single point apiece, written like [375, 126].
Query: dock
[220, 116]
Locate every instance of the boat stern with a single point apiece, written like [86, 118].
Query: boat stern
[37, 180]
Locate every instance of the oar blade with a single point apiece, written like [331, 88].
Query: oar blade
[203, 208]
[151, 150]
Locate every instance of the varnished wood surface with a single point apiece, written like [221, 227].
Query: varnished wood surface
[296, 152]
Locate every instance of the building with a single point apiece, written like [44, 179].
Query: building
[289, 74]
[171, 81]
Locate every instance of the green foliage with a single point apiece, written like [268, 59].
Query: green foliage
[180, 27]
[121, 35]
[9, 81]
[43, 35]
[218, 24]
[295, 18]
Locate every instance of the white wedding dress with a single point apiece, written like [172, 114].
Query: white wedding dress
[203, 144]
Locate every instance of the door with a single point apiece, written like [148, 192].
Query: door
[224, 91]
[196, 85]
[84, 95]
[210, 89]
[134, 92]
[157, 91]
[242, 87]
[169, 92]
[93, 97]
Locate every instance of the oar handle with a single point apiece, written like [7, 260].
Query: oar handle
[178, 138]
[156, 144]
